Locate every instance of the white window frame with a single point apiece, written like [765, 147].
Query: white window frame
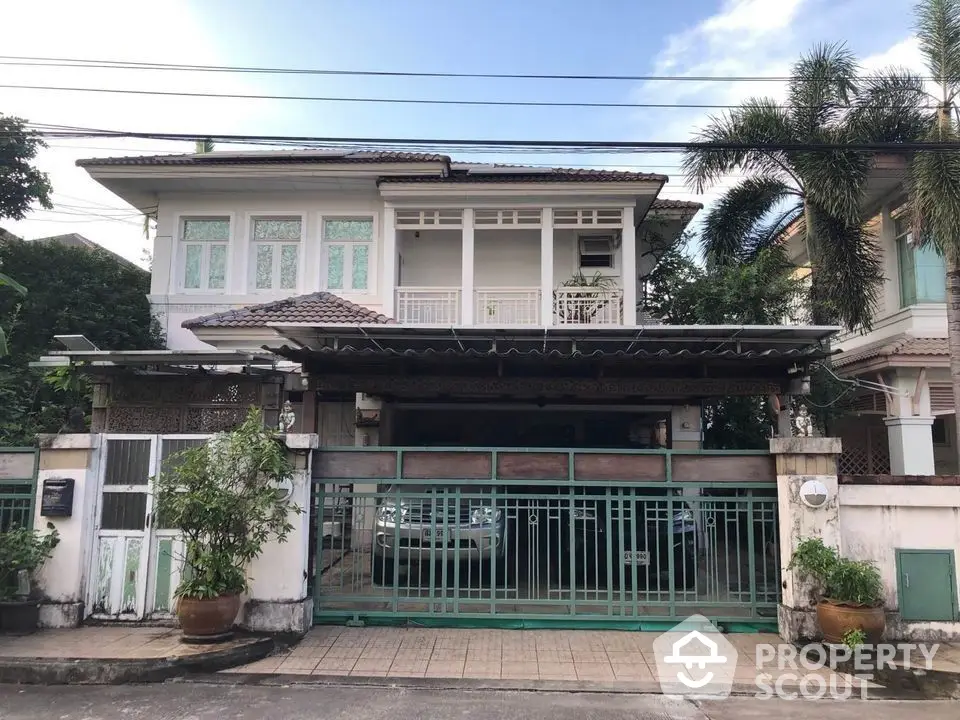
[181, 254]
[254, 244]
[348, 255]
[610, 238]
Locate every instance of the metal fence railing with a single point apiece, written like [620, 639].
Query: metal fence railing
[539, 549]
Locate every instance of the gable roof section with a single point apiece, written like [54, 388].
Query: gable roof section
[889, 350]
[518, 174]
[321, 308]
[283, 157]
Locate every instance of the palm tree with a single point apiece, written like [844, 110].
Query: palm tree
[815, 193]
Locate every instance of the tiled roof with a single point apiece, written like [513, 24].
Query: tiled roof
[667, 204]
[322, 308]
[890, 347]
[533, 176]
[283, 157]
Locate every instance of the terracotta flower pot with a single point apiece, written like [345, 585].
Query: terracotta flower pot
[207, 620]
[836, 619]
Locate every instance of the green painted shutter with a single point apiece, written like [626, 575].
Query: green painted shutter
[927, 584]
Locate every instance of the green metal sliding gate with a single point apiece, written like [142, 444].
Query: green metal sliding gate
[544, 537]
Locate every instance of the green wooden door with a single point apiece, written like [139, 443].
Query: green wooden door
[927, 584]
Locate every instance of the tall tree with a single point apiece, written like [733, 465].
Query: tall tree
[818, 192]
[21, 184]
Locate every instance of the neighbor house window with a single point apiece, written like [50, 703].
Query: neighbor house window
[347, 249]
[275, 253]
[596, 251]
[922, 271]
[203, 253]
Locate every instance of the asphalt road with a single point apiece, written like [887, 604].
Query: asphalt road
[188, 701]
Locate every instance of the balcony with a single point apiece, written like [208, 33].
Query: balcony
[510, 306]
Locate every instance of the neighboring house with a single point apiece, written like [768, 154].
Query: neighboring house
[73, 240]
[905, 427]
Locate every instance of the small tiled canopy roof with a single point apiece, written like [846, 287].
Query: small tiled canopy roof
[535, 175]
[898, 346]
[668, 204]
[321, 308]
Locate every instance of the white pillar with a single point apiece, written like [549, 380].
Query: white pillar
[628, 274]
[911, 445]
[546, 268]
[388, 283]
[466, 270]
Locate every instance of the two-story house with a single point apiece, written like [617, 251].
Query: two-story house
[903, 419]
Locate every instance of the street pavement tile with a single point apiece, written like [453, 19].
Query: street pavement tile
[297, 667]
[445, 668]
[519, 670]
[486, 670]
[335, 664]
[557, 671]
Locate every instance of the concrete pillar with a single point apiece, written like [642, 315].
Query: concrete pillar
[63, 578]
[798, 460]
[388, 283]
[546, 268]
[628, 258]
[466, 270]
[277, 599]
[685, 432]
[363, 510]
[911, 445]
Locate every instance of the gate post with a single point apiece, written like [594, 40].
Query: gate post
[801, 459]
[64, 577]
[277, 600]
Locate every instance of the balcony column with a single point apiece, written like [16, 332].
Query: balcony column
[388, 284]
[546, 268]
[466, 270]
[628, 257]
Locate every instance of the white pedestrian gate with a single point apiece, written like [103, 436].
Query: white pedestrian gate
[136, 562]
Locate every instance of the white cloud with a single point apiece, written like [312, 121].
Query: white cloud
[114, 30]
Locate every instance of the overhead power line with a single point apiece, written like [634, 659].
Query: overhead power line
[391, 101]
[26, 61]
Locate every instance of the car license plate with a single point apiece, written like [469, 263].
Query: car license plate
[434, 534]
[636, 557]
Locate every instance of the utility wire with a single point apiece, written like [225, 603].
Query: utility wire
[402, 101]
[26, 61]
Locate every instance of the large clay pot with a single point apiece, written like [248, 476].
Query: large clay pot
[19, 618]
[203, 620]
[836, 619]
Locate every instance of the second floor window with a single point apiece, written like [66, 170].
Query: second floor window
[922, 271]
[347, 249]
[596, 251]
[203, 253]
[275, 253]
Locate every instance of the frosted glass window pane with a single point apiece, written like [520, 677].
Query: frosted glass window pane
[360, 255]
[193, 257]
[264, 279]
[288, 266]
[276, 229]
[218, 267]
[357, 230]
[206, 229]
[335, 267]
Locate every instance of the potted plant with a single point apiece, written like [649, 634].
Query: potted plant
[848, 593]
[591, 297]
[226, 497]
[22, 552]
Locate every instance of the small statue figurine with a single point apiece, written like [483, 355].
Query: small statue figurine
[804, 422]
[288, 418]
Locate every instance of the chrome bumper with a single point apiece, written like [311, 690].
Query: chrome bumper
[419, 543]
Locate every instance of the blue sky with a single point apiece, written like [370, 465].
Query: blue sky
[683, 37]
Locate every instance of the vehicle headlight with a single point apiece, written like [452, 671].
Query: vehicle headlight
[388, 513]
[684, 516]
[484, 516]
[584, 514]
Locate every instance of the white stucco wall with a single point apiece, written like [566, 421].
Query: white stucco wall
[877, 520]
[507, 258]
[431, 260]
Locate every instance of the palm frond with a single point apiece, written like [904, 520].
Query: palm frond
[4, 350]
[822, 84]
[934, 189]
[834, 180]
[7, 281]
[768, 236]
[756, 122]
[729, 226]
[849, 273]
[938, 30]
[889, 108]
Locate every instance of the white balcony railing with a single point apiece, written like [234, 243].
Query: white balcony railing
[428, 305]
[587, 306]
[507, 306]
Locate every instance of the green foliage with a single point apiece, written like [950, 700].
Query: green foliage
[73, 291]
[851, 582]
[7, 281]
[853, 638]
[21, 184]
[224, 497]
[23, 550]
